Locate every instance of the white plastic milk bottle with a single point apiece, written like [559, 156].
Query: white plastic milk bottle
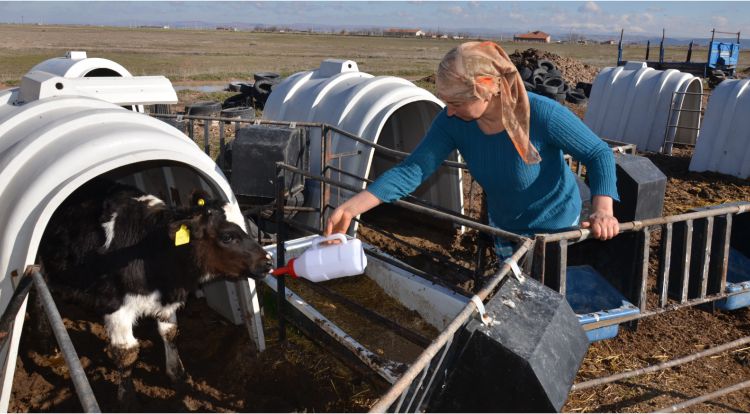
[324, 261]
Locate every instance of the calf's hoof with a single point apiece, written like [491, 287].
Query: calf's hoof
[177, 373]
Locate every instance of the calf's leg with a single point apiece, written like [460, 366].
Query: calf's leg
[123, 350]
[168, 331]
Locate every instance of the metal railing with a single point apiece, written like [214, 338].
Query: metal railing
[616, 146]
[693, 251]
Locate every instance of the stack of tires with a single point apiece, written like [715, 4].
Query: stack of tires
[546, 79]
[252, 95]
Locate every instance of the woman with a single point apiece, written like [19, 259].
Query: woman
[513, 144]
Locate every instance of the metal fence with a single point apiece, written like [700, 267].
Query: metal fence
[692, 252]
[690, 267]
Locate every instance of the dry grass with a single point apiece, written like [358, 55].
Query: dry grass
[209, 55]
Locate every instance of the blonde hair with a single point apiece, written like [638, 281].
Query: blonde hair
[483, 70]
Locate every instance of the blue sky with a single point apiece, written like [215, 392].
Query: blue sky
[691, 19]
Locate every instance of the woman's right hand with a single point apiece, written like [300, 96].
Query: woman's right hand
[341, 217]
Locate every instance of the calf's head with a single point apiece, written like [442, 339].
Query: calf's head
[220, 247]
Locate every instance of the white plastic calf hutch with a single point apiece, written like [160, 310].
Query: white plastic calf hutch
[644, 106]
[725, 133]
[385, 110]
[57, 133]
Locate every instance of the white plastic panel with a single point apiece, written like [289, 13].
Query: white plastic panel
[632, 103]
[77, 64]
[387, 110]
[724, 144]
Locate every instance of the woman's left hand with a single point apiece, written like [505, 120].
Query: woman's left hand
[602, 221]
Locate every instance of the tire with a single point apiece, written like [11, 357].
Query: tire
[262, 87]
[539, 72]
[575, 97]
[714, 81]
[555, 72]
[585, 87]
[205, 108]
[548, 91]
[269, 76]
[234, 86]
[241, 112]
[555, 85]
[537, 80]
[546, 65]
[241, 100]
[261, 90]
[525, 73]
[246, 88]
[529, 86]
[560, 97]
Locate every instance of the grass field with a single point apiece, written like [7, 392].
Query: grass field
[217, 56]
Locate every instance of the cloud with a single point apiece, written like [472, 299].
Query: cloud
[590, 7]
[720, 21]
[456, 10]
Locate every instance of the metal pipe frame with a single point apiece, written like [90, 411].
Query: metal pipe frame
[659, 367]
[703, 398]
[77, 374]
[413, 207]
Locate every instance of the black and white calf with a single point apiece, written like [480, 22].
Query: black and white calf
[129, 255]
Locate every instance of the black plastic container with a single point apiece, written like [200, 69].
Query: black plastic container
[525, 361]
[255, 151]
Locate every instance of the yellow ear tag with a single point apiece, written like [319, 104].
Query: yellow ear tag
[182, 236]
[201, 202]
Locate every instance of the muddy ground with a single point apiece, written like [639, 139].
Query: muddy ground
[300, 375]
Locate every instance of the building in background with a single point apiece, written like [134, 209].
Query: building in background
[535, 36]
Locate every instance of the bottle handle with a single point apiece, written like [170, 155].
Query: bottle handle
[336, 236]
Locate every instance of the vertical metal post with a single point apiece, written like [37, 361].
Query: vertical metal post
[220, 157]
[720, 254]
[206, 143]
[280, 253]
[77, 374]
[667, 149]
[539, 262]
[644, 237]
[703, 258]
[687, 242]
[324, 188]
[665, 262]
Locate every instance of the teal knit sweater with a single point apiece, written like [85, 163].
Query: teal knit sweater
[521, 198]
